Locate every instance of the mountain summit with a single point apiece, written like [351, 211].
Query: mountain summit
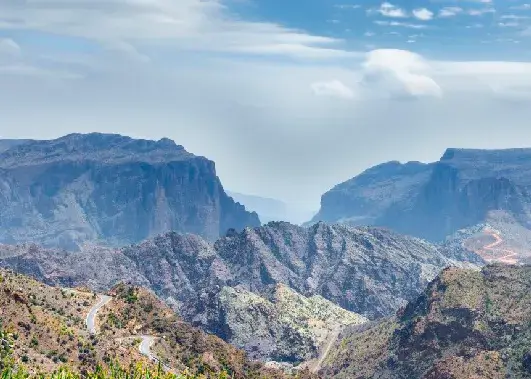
[110, 189]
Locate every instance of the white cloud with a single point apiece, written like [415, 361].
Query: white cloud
[400, 24]
[450, 11]
[423, 14]
[193, 25]
[512, 24]
[389, 10]
[480, 12]
[399, 73]
[25, 70]
[9, 47]
[514, 17]
[521, 7]
[332, 88]
[347, 6]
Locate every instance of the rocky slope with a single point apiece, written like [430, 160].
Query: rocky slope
[467, 324]
[109, 189]
[269, 326]
[432, 201]
[43, 328]
[367, 271]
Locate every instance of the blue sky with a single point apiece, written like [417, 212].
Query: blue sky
[288, 98]
[441, 28]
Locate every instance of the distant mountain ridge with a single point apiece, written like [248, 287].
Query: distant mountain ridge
[466, 187]
[109, 189]
[267, 209]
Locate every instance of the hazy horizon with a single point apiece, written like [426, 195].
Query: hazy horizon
[287, 103]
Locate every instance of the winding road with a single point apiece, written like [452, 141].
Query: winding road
[315, 365]
[146, 341]
[145, 350]
[90, 320]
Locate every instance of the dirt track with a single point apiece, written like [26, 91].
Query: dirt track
[510, 257]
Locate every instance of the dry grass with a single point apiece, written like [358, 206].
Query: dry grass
[47, 327]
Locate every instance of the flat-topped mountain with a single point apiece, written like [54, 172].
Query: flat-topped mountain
[364, 199]
[102, 148]
[111, 190]
[466, 187]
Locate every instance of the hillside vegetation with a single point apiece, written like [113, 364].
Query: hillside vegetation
[467, 324]
[43, 332]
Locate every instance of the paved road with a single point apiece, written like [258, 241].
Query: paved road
[145, 350]
[90, 321]
[146, 343]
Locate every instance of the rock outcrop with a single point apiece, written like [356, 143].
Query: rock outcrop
[111, 190]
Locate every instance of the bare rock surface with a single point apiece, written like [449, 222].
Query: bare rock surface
[111, 190]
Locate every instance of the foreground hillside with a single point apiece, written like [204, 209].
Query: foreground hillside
[45, 328]
[367, 272]
[109, 189]
[466, 187]
[467, 324]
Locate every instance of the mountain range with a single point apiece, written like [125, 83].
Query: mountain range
[109, 190]
[465, 188]
[368, 272]
[140, 238]
[272, 209]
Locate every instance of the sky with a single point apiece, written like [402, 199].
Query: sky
[289, 98]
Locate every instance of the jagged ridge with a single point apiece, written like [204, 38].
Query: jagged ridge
[367, 271]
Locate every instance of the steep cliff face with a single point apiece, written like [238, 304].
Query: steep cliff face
[467, 324]
[463, 189]
[110, 189]
[363, 199]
